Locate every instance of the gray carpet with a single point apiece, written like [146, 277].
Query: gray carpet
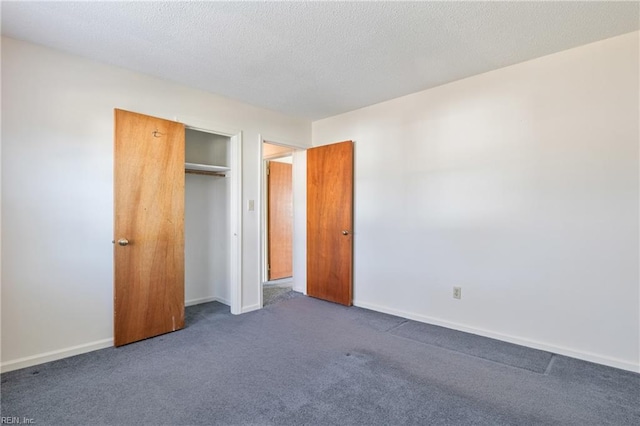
[273, 293]
[303, 361]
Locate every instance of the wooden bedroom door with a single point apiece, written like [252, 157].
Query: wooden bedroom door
[149, 227]
[329, 222]
[280, 220]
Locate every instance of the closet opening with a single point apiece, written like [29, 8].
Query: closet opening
[208, 212]
[277, 250]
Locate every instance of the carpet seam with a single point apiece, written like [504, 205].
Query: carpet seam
[393, 327]
[468, 355]
[550, 364]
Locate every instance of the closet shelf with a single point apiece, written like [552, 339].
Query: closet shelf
[205, 169]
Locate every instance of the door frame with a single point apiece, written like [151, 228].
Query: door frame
[235, 203]
[298, 208]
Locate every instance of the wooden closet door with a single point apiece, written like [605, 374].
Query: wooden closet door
[329, 222]
[280, 220]
[149, 227]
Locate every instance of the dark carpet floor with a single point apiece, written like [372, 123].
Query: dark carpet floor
[302, 361]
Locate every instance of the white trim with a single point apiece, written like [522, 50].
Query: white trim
[279, 156]
[585, 356]
[193, 302]
[30, 361]
[264, 231]
[296, 146]
[200, 125]
[235, 221]
[222, 300]
[251, 308]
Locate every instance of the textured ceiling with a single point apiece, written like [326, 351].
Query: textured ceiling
[315, 59]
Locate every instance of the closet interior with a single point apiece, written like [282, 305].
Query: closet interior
[207, 217]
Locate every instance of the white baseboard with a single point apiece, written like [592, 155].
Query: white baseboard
[199, 301]
[585, 356]
[206, 300]
[30, 361]
[223, 301]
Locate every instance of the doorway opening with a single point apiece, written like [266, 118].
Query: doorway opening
[277, 213]
[207, 218]
[212, 216]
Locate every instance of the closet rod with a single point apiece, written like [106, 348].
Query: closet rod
[204, 172]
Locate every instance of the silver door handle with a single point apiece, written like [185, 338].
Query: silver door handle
[345, 232]
[123, 242]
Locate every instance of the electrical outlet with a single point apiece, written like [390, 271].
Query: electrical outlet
[457, 292]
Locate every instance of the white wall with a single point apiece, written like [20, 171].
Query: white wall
[519, 185]
[57, 196]
[206, 231]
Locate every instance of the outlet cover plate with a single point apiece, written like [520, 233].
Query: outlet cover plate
[457, 292]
